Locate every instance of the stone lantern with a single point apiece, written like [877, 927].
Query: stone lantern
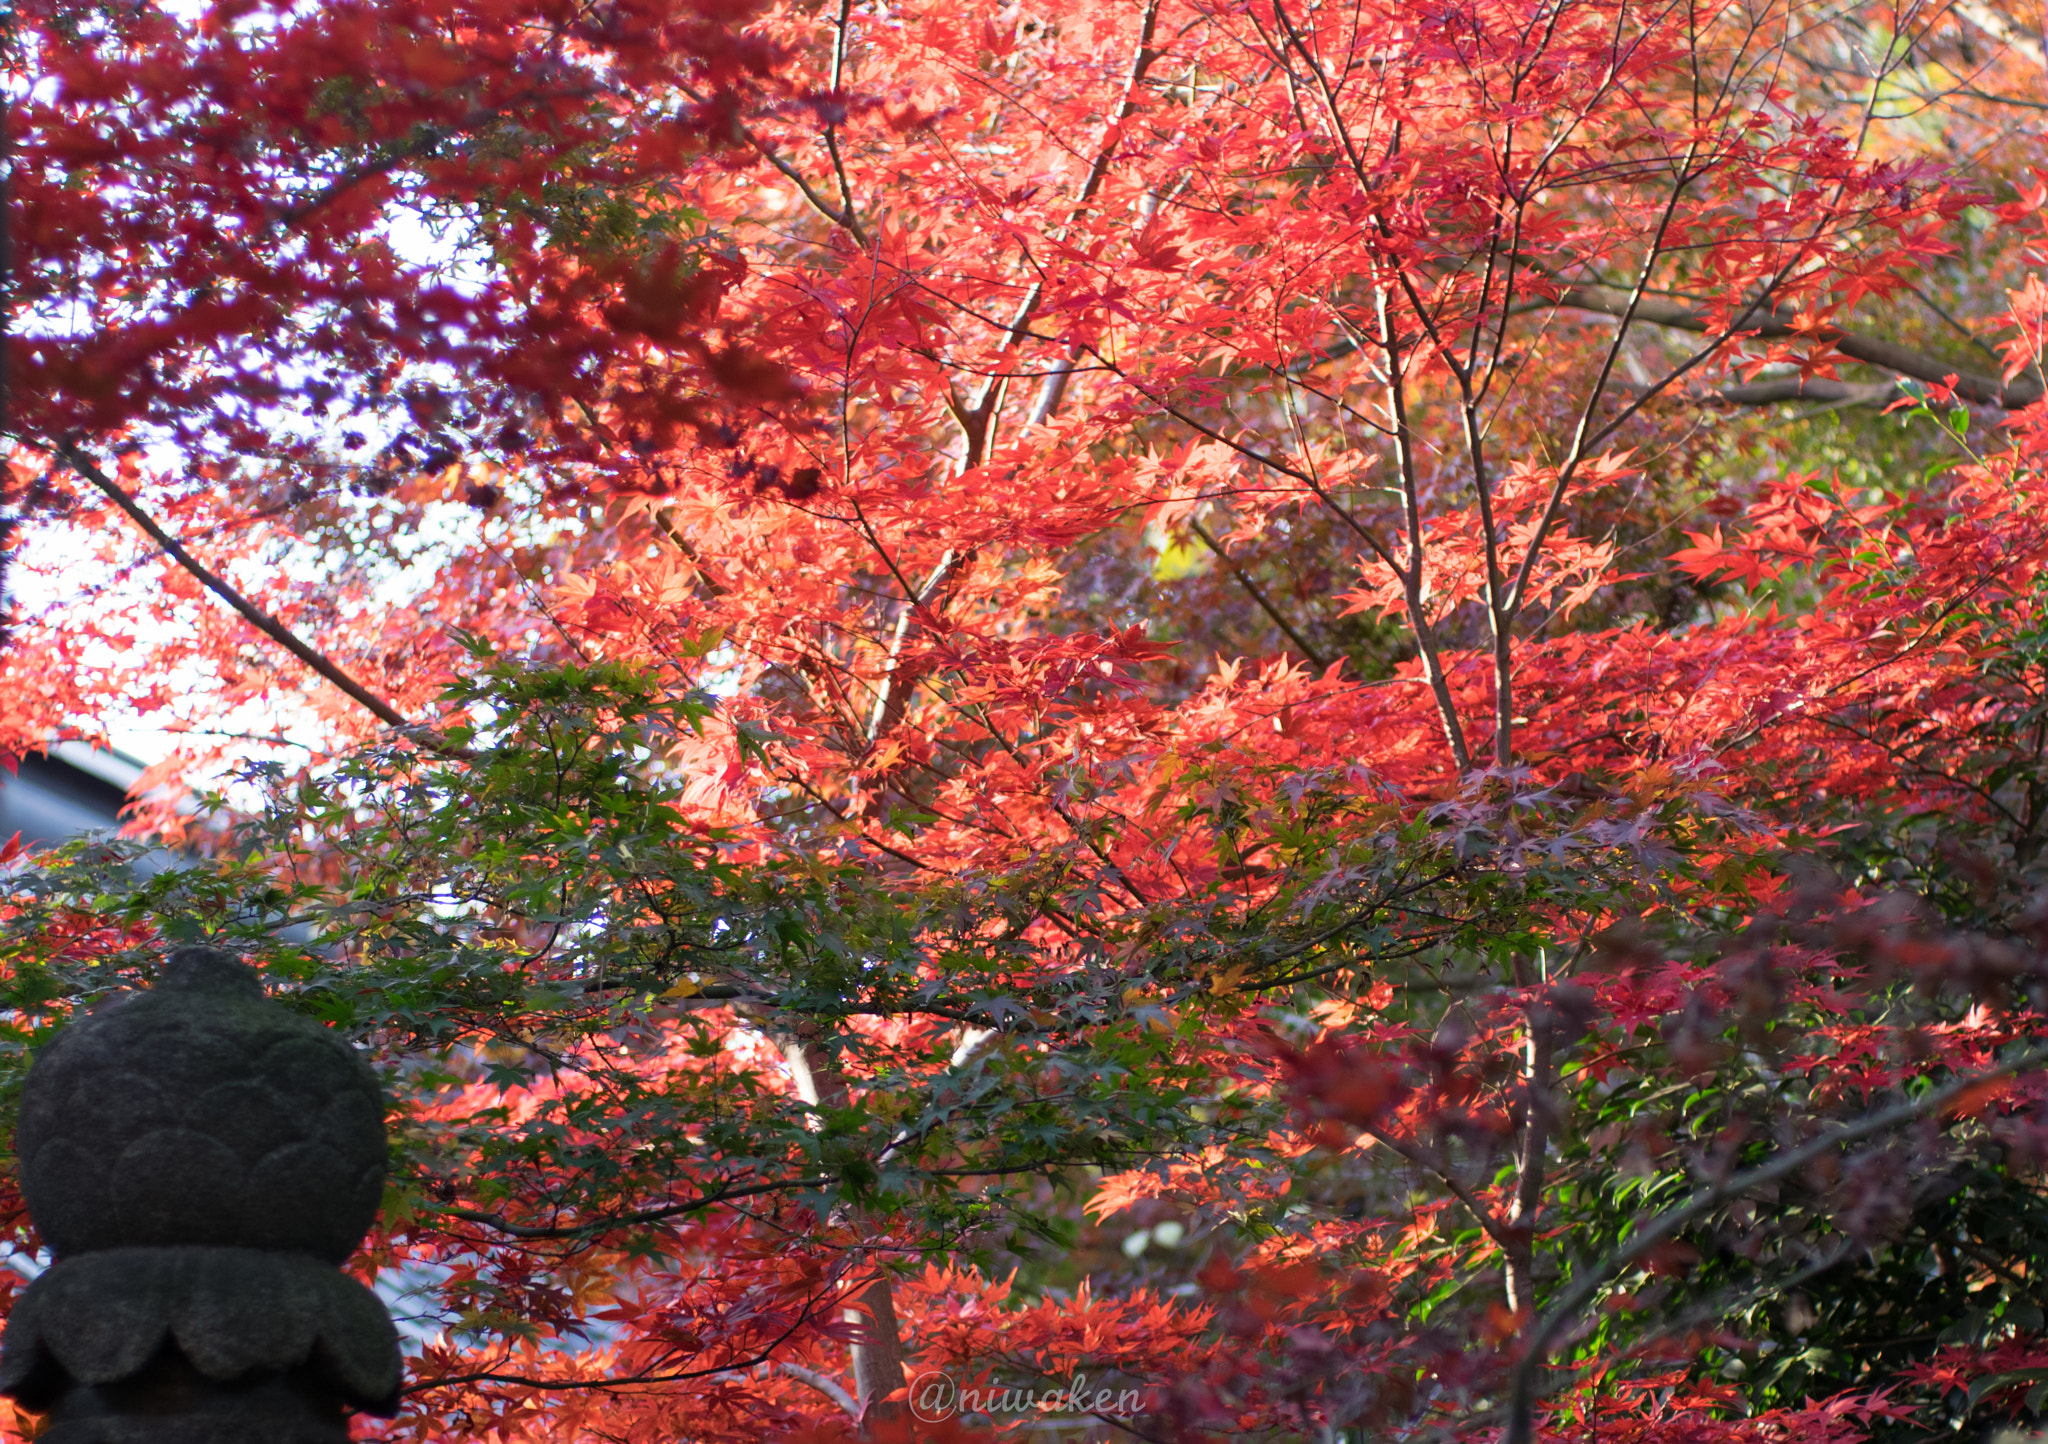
[199, 1160]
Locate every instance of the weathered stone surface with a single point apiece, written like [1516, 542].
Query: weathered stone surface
[199, 1158]
[232, 1313]
[169, 1403]
[201, 1113]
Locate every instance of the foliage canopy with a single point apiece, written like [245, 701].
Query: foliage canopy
[1014, 690]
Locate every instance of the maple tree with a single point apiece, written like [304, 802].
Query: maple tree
[870, 647]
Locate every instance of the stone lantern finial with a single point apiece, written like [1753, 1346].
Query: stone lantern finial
[199, 1159]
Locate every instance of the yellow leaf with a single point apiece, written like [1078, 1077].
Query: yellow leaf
[1176, 557]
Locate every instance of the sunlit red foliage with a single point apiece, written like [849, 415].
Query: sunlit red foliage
[1167, 488]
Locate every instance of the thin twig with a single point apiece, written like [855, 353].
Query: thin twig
[1315, 658]
[500, 1224]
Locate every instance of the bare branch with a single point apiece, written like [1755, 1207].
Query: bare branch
[1315, 658]
[1055, 383]
[830, 1388]
[894, 695]
[500, 1224]
[1971, 386]
[254, 615]
[1819, 390]
[846, 219]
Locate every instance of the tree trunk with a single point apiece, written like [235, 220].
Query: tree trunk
[878, 1342]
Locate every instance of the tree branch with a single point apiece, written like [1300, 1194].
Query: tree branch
[847, 209]
[1481, 1214]
[894, 694]
[1399, 432]
[1244, 580]
[501, 1224]
[845, 220]
[828, 1387]
[1521, 1427]
[1816, 389]
[1971, 386]
[254, 615]
[974, 420]
[1530, 1166]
